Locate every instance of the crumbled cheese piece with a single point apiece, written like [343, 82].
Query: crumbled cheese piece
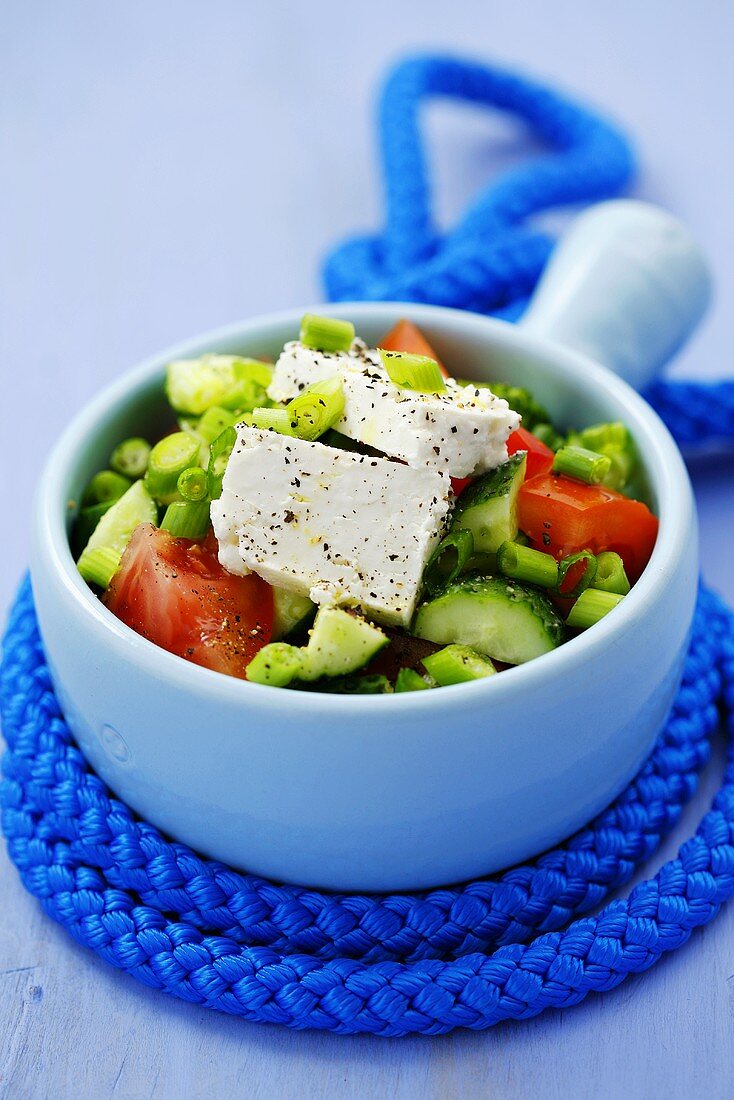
[343, 528]
[462, 431]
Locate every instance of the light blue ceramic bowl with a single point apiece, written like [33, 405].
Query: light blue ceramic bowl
[387, 792]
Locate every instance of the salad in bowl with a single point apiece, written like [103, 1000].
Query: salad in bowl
[360, 519]
[295, 620]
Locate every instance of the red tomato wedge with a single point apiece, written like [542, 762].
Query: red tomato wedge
[405, 336]
[459, 484]
[563, 516]
[175, 593]
[540, 458]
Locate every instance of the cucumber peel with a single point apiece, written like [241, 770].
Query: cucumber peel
[115, 528]
[498, 617]
[289, 610]
[488, 507]
[339, 643]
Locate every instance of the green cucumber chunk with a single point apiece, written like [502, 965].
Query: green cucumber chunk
[340, 642]
[290, 610]
[499, 617]
[488, 507]
[116, 526]
[275, 665]
[85, 523]
[457, 664]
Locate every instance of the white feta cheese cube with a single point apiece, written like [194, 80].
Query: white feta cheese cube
[342, 528]
[461, 431]
[299, 366]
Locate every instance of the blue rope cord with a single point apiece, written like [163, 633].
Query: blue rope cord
[492, 257]
[422, 963]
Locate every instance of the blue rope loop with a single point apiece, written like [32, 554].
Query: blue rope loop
[385, 965]
[469, 956]
[491, 258]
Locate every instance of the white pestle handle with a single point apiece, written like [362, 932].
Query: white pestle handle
[627, 285]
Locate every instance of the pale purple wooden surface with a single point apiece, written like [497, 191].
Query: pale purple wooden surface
[167, 168]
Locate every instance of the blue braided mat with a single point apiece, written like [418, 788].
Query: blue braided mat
[422, 963]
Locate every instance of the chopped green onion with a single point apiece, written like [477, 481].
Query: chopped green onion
[521, 401]
[131, 457]
[276, 664]
[410, 680]
[448, 560]
[610, 574]
[576, 573]
[106, 486]
[316, 409]
[187, 519]
[193, 484]
[188, 423]
[98, 566]
[522, 563]
[591, 606]
[413, 372]
[219, 452]
[168, 459]
[229, 381]
[213, 422]
[612, 439]
[273, 420]
[585, 465]
[326, 333]
[457, 664]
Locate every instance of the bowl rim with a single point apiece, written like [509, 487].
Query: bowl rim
[666, 468]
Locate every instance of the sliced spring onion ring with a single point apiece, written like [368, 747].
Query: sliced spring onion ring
[584, 465]
[576, 573]
[193, 484]
[610, 573]
[448, 560]
[326, 333]
[591, 606]
[522, 563]
[219, 452]
[273, 420]
[168, 459]
[130, 457]
[410, 680]
[316, 409]
[105, 487]
[413, 372]
[187, 519]
[98, 566]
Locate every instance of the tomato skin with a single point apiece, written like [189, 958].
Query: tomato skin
[459, 484]
[174, 592]
[563, 516]
[540, 458]
[405, 336]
